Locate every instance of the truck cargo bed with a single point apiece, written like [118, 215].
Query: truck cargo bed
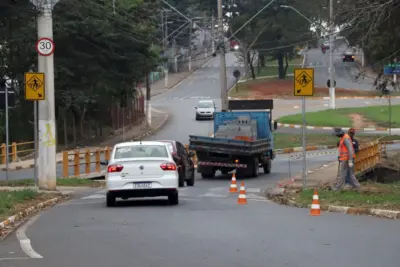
[229, 146]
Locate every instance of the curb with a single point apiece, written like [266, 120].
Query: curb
[153, 130]
[13, 220]
[318, 97]
[300, 149]
[298, 126]
[293, 179]
[388, 214]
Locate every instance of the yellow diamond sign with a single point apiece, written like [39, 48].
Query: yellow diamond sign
[34, 86]
[303, 82]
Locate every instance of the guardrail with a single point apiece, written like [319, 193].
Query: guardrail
[85, 162]
[18, 151]
[369, 156]
[76, 162]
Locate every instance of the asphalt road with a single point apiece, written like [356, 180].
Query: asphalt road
[345, 72]
[208, 228]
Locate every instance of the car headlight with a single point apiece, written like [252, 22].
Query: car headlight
[236, 47]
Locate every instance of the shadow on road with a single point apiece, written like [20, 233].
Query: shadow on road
[142, 203]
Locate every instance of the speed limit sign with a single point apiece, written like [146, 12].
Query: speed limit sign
[45, 46]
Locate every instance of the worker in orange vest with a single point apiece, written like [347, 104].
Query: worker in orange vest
[346, 161]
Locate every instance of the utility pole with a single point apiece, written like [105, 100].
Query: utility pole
[148, 98]
[47, 130]
[222, 64]
[7, 127]
[165, 48]
[331, 59]
[212, 32]
[190, 46]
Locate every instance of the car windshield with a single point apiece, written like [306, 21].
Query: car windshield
[141, 151]
[206, 105]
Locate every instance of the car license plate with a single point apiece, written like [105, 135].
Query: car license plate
[142, 185]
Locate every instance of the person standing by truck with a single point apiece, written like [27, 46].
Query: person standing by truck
[346, 161]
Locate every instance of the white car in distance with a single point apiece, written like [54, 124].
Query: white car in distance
[205, 109]
[141, 169]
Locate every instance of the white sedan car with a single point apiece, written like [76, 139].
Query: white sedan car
[141, 169]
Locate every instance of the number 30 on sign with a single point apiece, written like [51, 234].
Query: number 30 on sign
[45, 46]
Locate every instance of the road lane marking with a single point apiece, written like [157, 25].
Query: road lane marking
[95, 196]
[25, 242]
[18, 258]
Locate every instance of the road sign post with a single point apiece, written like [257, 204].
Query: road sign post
[3, 86]
[35, 91]
[304, 86]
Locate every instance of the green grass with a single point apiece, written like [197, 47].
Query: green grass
[244, 87]
[60, 182]
[283, 140]
[295, 61]
[273, 71]
[371, 195]
[340, 117]
[8, 200]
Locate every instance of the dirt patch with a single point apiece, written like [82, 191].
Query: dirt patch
[276, 88]
[360, 122]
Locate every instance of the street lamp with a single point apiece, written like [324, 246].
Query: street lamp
[297, 11]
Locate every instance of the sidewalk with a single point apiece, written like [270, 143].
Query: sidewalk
[175, 78]
[323, 176]
[137, 131]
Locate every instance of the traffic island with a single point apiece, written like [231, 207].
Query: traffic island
[273, 87]
[373, 199]
[367, 118]
[378, 196]
[328, 141]
[18, 205]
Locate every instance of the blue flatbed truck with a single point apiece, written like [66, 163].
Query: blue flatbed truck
[228, 154]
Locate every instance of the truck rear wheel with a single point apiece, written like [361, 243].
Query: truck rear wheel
[267, 167]
[207, 172]
[208, 175]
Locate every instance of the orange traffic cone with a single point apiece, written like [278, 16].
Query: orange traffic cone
[242, 195]
[315, 208]
[233, 187]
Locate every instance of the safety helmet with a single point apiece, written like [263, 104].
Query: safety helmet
[338, 131]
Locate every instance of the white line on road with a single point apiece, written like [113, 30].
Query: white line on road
[25, 242]
[19, 258]
[81, 203]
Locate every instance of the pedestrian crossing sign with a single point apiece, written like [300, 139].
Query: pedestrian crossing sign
[34, 86]
[303, 82]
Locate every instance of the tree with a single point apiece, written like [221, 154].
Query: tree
[98, 55]
[273, 33]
